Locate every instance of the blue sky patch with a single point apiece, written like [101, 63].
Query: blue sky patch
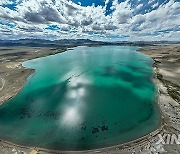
[7, 24]
[52, 27]
[10, 6]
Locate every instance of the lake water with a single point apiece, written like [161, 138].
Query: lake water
[85, 98]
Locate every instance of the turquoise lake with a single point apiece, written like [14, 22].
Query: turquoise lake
[84, 98]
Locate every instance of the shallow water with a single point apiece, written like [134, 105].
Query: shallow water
[85, 98]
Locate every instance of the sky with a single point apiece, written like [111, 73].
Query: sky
[107, 20]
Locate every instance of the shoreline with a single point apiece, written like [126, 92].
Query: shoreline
[129, 146]
[13, 73]
[110, 148]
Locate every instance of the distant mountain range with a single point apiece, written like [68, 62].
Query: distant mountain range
[73, 42]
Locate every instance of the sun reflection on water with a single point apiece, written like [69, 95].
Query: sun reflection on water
[71, 116]
[75, 104]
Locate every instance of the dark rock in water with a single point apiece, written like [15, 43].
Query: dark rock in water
[82, 138]
[84, 127]
[103, 128]
[95, 130]
[26, 113]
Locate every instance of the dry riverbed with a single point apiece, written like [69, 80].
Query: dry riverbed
[167, 69]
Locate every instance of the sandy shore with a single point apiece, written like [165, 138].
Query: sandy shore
[167, 69]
